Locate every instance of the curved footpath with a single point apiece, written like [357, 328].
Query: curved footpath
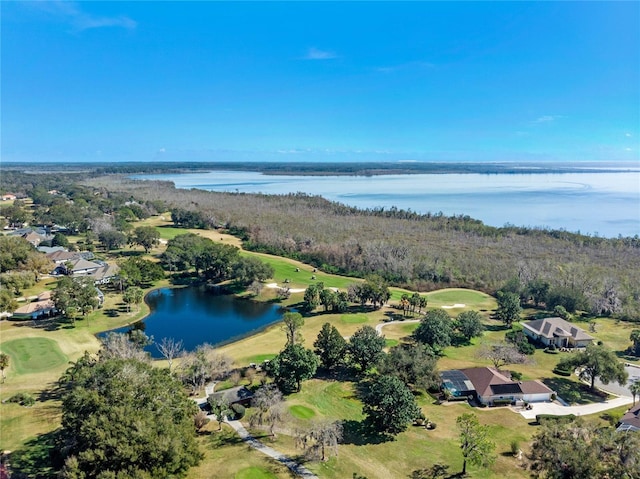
[295, 467]
[406, 321]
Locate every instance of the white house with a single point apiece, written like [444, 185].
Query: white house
[556, 331]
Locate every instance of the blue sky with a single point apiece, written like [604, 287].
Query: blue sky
[326, 81]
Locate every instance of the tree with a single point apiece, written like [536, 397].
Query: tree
[291, 324]
[216, 260]
[579, 450]
[146, 236]
[60, 240]
[125, 418]
[74, 296]
[330, 346]
[203, 365]
[112, 239]
[538, 289]
[635, 339]
[501, 354]
[292, 366]
[508, 308]
[133, 295]
[435, 329]
[139, 272]
[366, 348]
[320, 439]
[4, 364]
[413, 364]
[7, 302]
[18, 280]
[219, 408]
[200, 420]
[521, 341]
[596, 362]
[312, 296]
[476, 447]
[635, 390]
[269, 406]
[389, 406]
[469, 324]
[248, 269]
[170, 349]
[120, 346]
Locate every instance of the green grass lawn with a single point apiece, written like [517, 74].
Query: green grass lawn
[354, 318]
[254, 473]
[301, 412]
[33, 355]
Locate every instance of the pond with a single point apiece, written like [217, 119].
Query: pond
[198, 315]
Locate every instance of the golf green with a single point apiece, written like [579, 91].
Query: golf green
[254, 473]
[33, 355]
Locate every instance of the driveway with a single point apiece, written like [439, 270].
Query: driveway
[559, 410]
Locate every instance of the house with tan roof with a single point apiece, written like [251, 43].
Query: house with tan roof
[556, 331]
[36, 310]
[490, 386]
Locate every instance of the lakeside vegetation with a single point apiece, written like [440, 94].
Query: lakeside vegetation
[330, 397]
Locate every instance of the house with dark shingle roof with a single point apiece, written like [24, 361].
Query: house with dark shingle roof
[489, 386]
[630, 421]
[237, 395]
[556, 331]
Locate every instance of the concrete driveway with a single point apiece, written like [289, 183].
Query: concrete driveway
[560, 410]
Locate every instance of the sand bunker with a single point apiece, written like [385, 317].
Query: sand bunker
[291, 290]
[457, 305]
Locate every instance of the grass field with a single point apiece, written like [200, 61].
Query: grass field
[33, 355]
[40, 355]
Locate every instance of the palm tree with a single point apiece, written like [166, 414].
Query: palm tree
[635, 390]
[4, 363]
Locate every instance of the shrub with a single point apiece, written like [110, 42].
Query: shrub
[24, 399]
[431, 425]
[239, 410]
[561, 372]
[502, 402]
[516, 376]
[540, 418]
[515, 447]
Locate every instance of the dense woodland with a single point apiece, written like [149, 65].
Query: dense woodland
[422, 252]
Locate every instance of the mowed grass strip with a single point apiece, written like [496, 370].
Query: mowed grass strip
[354, 318]
[255, 473]
[301, 412]
[33, 355]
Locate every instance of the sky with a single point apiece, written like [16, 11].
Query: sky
[320, 81]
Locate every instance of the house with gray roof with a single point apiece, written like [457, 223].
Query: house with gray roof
[630, 421]
[237, 395]
[556, 331]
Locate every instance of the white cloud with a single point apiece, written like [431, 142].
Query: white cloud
[546, 119]
[628, 135]
[72, 13]
[316, 54]
[162, 150]
[628, 149]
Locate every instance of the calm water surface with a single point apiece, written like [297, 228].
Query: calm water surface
[195, 315]
[604, 204]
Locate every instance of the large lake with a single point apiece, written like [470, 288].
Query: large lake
[195, 315]
[602, 204]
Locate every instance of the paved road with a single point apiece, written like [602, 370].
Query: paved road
[296, 468]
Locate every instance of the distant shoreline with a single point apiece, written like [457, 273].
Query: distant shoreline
[329, 169]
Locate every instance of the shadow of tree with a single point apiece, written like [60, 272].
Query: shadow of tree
[38, 458]
[574, 392]
[360, 433]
